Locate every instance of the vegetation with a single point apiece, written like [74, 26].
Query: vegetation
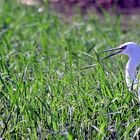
[53, 84]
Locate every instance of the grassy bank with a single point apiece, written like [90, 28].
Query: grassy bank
[53, 84]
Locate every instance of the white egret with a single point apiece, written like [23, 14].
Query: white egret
[132, 50]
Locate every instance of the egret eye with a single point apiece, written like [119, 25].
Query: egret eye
[123, 47]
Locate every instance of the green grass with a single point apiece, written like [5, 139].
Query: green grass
[52, 84]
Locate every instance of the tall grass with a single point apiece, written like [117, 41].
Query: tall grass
[53, 84]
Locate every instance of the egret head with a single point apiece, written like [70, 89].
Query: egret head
[129, 48]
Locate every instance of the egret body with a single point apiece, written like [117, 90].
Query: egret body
[132, 50]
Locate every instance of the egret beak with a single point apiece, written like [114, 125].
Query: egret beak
[111, 50]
